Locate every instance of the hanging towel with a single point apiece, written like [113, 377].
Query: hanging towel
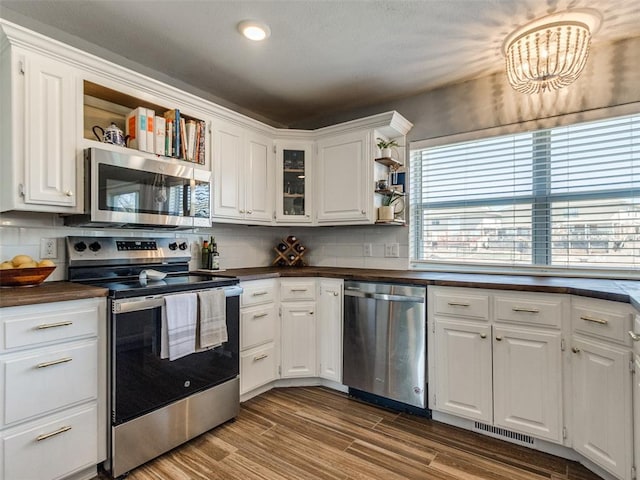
[179, 320]
[212, 319]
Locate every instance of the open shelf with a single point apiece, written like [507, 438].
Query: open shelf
[389, 162]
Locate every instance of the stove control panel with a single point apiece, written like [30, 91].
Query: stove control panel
[109, 249]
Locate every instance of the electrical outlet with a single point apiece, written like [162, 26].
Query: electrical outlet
[391, 249]
[367, 250]
[48, 248]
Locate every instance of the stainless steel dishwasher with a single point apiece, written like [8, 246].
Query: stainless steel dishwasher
[385, 341]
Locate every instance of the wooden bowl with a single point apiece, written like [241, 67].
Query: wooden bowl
[24, 277]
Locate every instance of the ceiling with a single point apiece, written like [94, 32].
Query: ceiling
[323, 57]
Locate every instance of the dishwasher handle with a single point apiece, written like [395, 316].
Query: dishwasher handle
[383, 296]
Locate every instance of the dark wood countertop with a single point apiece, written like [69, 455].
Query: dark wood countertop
[626, 291]
[48, 292]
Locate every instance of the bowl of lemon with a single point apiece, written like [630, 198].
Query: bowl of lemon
[24, 271]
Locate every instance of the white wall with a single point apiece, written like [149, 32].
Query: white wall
[239, 245]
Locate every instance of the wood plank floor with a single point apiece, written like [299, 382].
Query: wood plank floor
[316, 433]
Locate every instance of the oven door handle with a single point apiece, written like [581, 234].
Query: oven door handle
[135, 305]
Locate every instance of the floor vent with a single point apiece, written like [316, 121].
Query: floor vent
[503, 434]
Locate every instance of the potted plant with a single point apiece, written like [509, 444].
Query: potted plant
[386, 213]
[385, 147]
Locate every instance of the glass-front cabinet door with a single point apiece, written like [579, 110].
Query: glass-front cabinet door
[293, 182]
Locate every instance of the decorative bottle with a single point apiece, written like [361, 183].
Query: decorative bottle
[215, 256]
[205, 260]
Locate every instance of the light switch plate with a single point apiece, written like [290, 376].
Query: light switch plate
[392, 250]
[367, 250]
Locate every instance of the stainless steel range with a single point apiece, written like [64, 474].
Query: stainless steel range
[157, 403]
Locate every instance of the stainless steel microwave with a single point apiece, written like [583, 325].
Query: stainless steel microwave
[128, 190]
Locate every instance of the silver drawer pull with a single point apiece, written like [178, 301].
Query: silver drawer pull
[260, 315]
[298, 289]
[483, 335]
[634, 336]
[44, 436]
[260, 357]
[42, 326]
[54, 362]
[335, 294]
[257, 294]
[524, 309]
[595, 320]
[458, 304]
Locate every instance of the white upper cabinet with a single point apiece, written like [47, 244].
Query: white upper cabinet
[344, 179]
[243, 175]
[293, 182]
[39, 134]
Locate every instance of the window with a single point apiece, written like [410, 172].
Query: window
[566, 197]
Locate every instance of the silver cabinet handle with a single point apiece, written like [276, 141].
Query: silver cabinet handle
[54, 362]
[249, 212]
[310, 313]
[364, 212]
[68, 193]
[499, 339]
[483, 335]
[42, 326]
[575, 350]
[457, 304]
[298, 289]
[260, 357]
[44, 436]
[526, 310]
[260, 315]
[335, 294]
[600, 321]
[634, 336]
[257, 294]
[241, 211]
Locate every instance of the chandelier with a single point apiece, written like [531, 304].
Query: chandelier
[551, 52]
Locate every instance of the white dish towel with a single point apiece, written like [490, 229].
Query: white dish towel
[179, 325]
[212, 319]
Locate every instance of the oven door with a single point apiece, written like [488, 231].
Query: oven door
[140, 380]
[132, 189]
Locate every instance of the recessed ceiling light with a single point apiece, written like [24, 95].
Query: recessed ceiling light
[253, 30]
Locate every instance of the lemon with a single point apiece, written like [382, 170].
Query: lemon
[21, 259]
[46, 263]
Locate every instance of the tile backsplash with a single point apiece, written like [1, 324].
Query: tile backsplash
[239, 245]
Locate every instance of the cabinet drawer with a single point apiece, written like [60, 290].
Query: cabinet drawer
[42, 381]
[603, 319]
[49, 324]
[297, 290]
[257, 293]
[461, 303]
[530, 309]
[257, 326]
[257, 367]
[52, 448]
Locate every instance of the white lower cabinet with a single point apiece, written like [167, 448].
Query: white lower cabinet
[258, 334]
[463, 369]
[53, 389]
[53, 448]
[298, 340]
[498, 360]
[527, 381]
[329, 318]
[602, 405]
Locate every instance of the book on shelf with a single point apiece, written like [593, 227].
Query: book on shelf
[136, 128]
[190, 140]
[160, 137]
[182, 135]
[169, 133]
[202, 141]
[151, 144]
[173, 116]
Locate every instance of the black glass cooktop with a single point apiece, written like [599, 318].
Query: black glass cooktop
[126, 288]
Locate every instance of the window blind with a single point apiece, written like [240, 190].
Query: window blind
[566, 197]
